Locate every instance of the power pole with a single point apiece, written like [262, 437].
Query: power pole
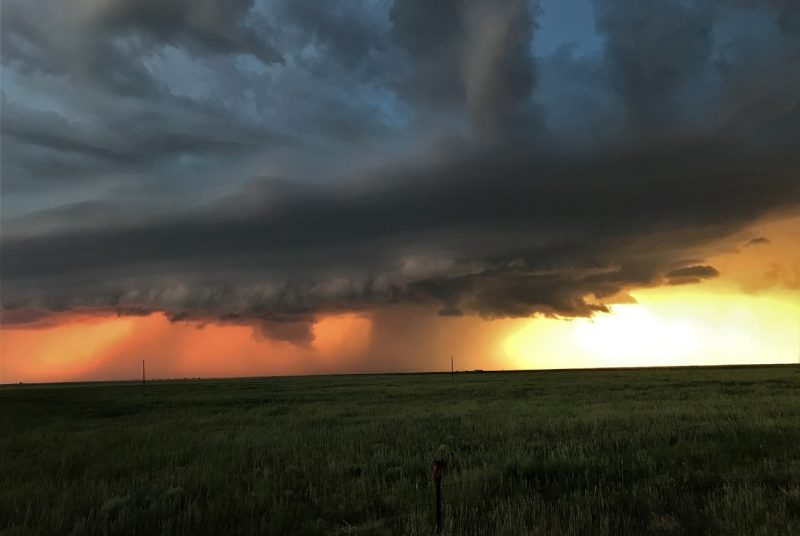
[142, 372]
[451, 368]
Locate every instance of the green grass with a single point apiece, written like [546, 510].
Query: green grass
[669, 451]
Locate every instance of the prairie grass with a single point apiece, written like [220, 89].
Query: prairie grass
[657, 451]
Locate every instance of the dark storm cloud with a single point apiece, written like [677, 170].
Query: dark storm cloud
[690, 274]
[653, 48]
[349, 30]
[35, 42]
[499, 234]
[93, 88]
[467, 50]
[677, 66]
[100, 67]
[789, 17]
[52, 131]
[218, 26]
[451, 55]
[41, 149]
[90, 37]
[625, 164]
[431, 34]
[758, 241]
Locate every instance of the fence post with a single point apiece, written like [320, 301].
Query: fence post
[438, 473]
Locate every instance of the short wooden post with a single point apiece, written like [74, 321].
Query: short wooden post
[438, 473]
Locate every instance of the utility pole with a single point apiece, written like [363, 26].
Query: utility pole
[142, 372]
[451, 369]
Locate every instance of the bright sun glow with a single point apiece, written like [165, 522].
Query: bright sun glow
[634, 335]
[666, 327]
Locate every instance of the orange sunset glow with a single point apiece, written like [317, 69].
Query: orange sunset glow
[111, 347]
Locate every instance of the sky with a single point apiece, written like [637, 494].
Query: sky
[259, 187]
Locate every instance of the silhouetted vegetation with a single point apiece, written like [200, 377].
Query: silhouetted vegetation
[675, 451]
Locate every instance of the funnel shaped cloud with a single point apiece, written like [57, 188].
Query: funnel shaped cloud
[498, 68]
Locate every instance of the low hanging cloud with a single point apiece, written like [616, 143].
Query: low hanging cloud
[497, 234]
[758, 241]
[690, 274]
[498, 218]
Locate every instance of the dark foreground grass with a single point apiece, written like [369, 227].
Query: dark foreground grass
[675, 451]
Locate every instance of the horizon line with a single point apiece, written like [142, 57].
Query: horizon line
[406, 373]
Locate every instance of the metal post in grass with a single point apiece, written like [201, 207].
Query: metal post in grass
[438, 473]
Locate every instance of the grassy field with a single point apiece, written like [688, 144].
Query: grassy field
[669, 451]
